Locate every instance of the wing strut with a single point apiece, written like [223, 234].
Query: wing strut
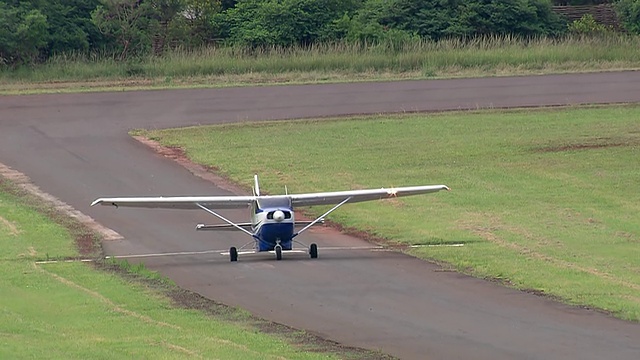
[225, 220]
[321, 217]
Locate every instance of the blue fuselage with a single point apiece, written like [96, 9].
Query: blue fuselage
[273, 223]
[271, 234]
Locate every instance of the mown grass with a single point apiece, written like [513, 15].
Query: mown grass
[544, 200]
[73, 311]
[226, 66]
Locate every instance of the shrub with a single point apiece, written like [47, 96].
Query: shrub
[587, 25]
[23, 34]
[629, 14]
[284, 22]
[438, 19]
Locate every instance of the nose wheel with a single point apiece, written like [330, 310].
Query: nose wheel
[233, 254]
[278, 252]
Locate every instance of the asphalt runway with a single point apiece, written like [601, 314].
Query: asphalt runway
[76, 148]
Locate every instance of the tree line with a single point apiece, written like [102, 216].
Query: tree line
[32, 31]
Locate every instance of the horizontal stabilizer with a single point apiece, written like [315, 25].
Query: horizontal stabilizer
[203, 227]
[222, 226]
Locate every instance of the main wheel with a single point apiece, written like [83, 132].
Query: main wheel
[233, 254]
[278, 252]
[313, 251]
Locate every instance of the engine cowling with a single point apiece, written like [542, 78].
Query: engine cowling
[278, 215]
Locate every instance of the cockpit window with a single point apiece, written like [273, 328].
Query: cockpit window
[274, 203]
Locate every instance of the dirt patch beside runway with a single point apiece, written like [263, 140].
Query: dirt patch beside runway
[630, 140]
[13, 229]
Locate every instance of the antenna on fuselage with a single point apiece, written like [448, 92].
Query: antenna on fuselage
[286, 191]
[256, 186]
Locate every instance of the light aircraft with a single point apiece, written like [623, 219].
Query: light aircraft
[272, 227]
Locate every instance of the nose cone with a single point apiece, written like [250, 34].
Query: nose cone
[278, 216]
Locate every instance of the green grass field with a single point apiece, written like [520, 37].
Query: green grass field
[543, 200]
[73, 311]
[224, 66]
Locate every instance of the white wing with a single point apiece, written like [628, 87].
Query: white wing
[327, 198]
[236, 202]
[179, 202]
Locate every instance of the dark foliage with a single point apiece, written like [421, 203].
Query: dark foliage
[283, 22]
[437, 19]
[629, 14]
[35, 30]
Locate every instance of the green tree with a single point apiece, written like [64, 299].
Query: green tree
[437, 19]
[8, 41]
[284, 22]
[32, 35]
[521, 17]
[164, 14]
[227, 4]
[629, 14]
[432, 19]
[69, 24]
[581, 2]
[200, 15]
[23, 34]
[127, 23]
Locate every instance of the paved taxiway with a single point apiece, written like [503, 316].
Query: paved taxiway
[76, 148]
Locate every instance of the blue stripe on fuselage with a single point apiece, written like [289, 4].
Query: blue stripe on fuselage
[270, 233]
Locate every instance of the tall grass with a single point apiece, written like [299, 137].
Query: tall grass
[421, 58]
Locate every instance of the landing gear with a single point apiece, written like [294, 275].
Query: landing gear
[278, 252]
[313, 251]
[233, 254]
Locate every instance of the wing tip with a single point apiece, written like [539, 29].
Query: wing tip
[102, 201]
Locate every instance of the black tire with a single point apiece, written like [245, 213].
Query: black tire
[313, 251]
[278, 252]
[233, 254]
